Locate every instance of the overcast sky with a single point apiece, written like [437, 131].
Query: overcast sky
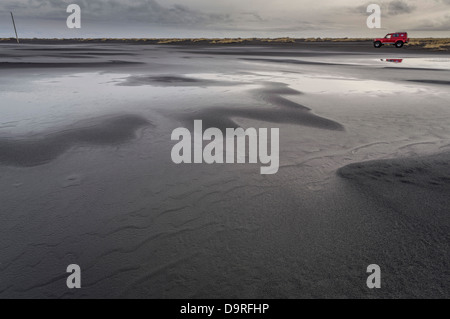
[224, 18]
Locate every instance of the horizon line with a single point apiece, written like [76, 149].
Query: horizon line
[207, 38]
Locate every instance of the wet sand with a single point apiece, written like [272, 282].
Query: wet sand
[46, 147]
[86, 176]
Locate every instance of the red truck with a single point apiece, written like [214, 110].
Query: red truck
[398, 39]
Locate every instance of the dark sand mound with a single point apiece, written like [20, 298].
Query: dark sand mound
[240, 51]
[407, 200]
[289, 61]
[413, 69]
[71, 49]
[45, 147]
[81, 54]
[439, 82]
[222, 118]
[48, 65]
[173, 81]
[272, 94]
[417, 187]
[427, 172]
[283, 111]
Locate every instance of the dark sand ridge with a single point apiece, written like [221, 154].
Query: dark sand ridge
[414, 69]
[222, 118]
[46, 65]
[289, 61]
[284, 111]
[80, 53]
[95, 54]
[265, 53]
[301, 62]
[432, 173]
[106, 51]
[273, 91]
[45, 147]
[413, 194]
[423, 185]
[173, 80]
[431, 82]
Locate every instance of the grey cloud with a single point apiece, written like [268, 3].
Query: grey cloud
[397, 7]
[252, 16]
[392, 8]
[200, 18]
[359, 9]
[437, 25]
[149, 11]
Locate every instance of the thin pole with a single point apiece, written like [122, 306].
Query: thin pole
[15, 30]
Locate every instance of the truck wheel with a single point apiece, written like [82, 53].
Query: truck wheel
[377, 44]
[399, 44]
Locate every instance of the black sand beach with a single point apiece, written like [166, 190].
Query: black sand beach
[86, 175]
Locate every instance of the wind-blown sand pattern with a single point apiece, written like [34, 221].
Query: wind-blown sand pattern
[46, 147]
[86, 175]
[283, 111]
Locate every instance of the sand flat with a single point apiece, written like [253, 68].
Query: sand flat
[86, 175]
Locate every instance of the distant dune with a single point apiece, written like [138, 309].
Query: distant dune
[433, 44]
